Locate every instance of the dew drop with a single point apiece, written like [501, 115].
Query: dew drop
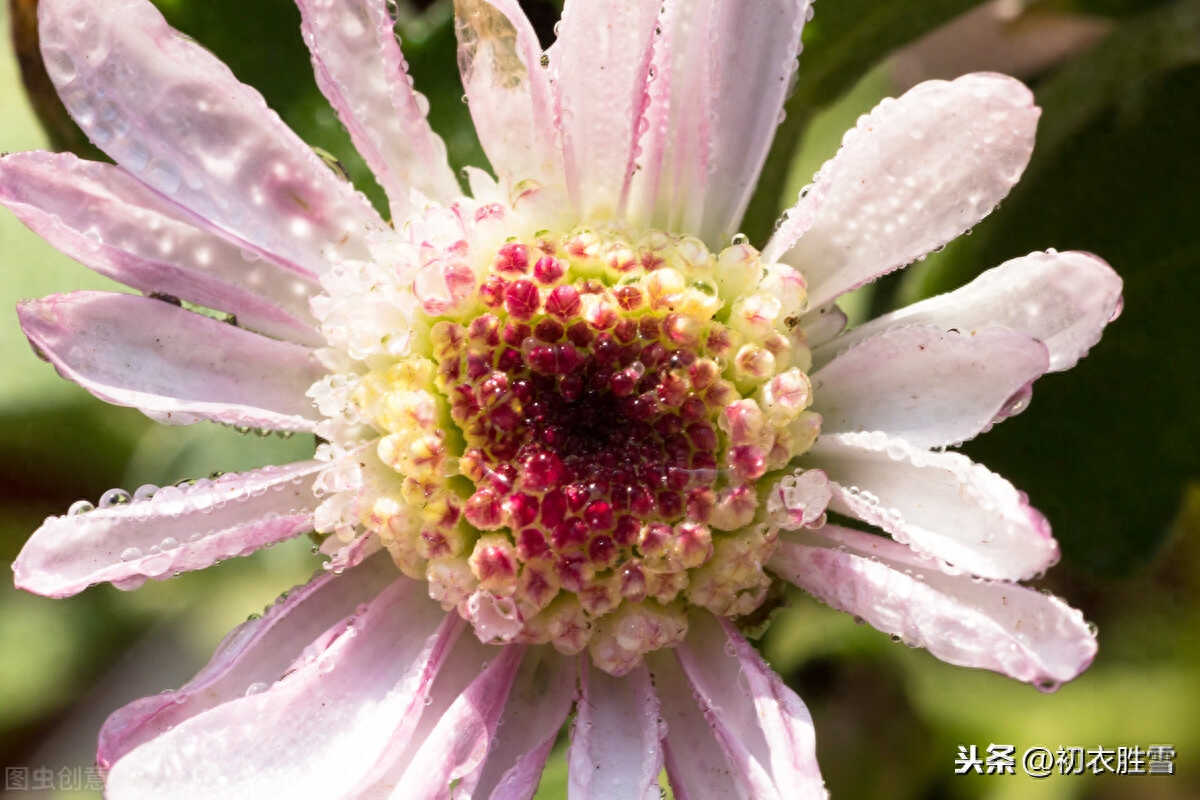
[256, 688]
[114, 497]
[130, 553]
[79, 507]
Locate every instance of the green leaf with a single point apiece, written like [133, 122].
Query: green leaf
[1106, 449]
[842, 42]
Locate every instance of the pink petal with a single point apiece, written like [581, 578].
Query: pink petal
[169, 112]
[1063, 300]
[668, 186]
[601, 61]
[755, 46]
[616, 749]
[319, 730]
[538, 703]
[462, 738]
[999, 626]
[361, 70]
[254, 655]
[928, 386]
[508, 91]
[915, 173]
[103, 217]
[763, 728]
[176, 366]
[941, 504]
[695, 762]
[181, 528]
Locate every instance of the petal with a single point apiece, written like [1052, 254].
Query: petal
[361, 70]
[538, 703]
[999, 626]
[928, 386]
[616, 749]
[461, 740]
[1063, 300]
[103, 217]
[941, 504]
[181, 528]
[601, 62]
[254, 655]
[169, 112]
[914, 174]
[822, 324]
[696, 765]
[176, 366]
[754, 57]
[508, 91]
[319, 730]
[764, 729]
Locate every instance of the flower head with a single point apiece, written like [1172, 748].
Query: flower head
[571, 413]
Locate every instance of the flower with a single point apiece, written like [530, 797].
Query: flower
[575, 408]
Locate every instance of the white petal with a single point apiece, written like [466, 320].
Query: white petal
[173, 115]
[361, 70]
[617, 749]
[914, 174]
[763, 728]
[176, 366]
[315, 733]
[940, 504]
[508, 91]
[601, 61]
[1063, 300]
[928, 386]
[999, 626]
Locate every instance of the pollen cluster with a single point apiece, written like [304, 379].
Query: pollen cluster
[574, 443]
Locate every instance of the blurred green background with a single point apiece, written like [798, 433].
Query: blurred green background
[1109, 451]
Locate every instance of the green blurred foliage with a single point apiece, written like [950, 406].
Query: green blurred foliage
[1109, 450]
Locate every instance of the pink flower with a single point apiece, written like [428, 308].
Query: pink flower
[574, 408]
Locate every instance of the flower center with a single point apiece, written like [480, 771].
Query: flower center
[569, 451]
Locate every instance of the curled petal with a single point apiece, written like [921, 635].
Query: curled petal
[317, 732]
[1063, 300]
[992, 625]
[173, 115]
[508, 91]
[616, 750]
[105, 218]
[763, 728]
[174, 365]
[250, 658]
[180, 528]
[928, 386]
[361, 70]
[538, 703]
[601, 61]
[914, 174]
[941, 504]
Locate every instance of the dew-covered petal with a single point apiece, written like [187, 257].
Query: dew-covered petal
[508, 91]
[601, 62]
[174, 365]
[822, 324]
[994, 625]
[180, 528]
[754, 59]
[173, 115]
[1063, 300]
[462, 737]
[696, 765]
[105, 218]
[761, 725]
[362, 72]
[252, 656]
[318, 731]
[616, 750]
[928, 386]
[941, 504]
[915, 173]
[538, 703]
